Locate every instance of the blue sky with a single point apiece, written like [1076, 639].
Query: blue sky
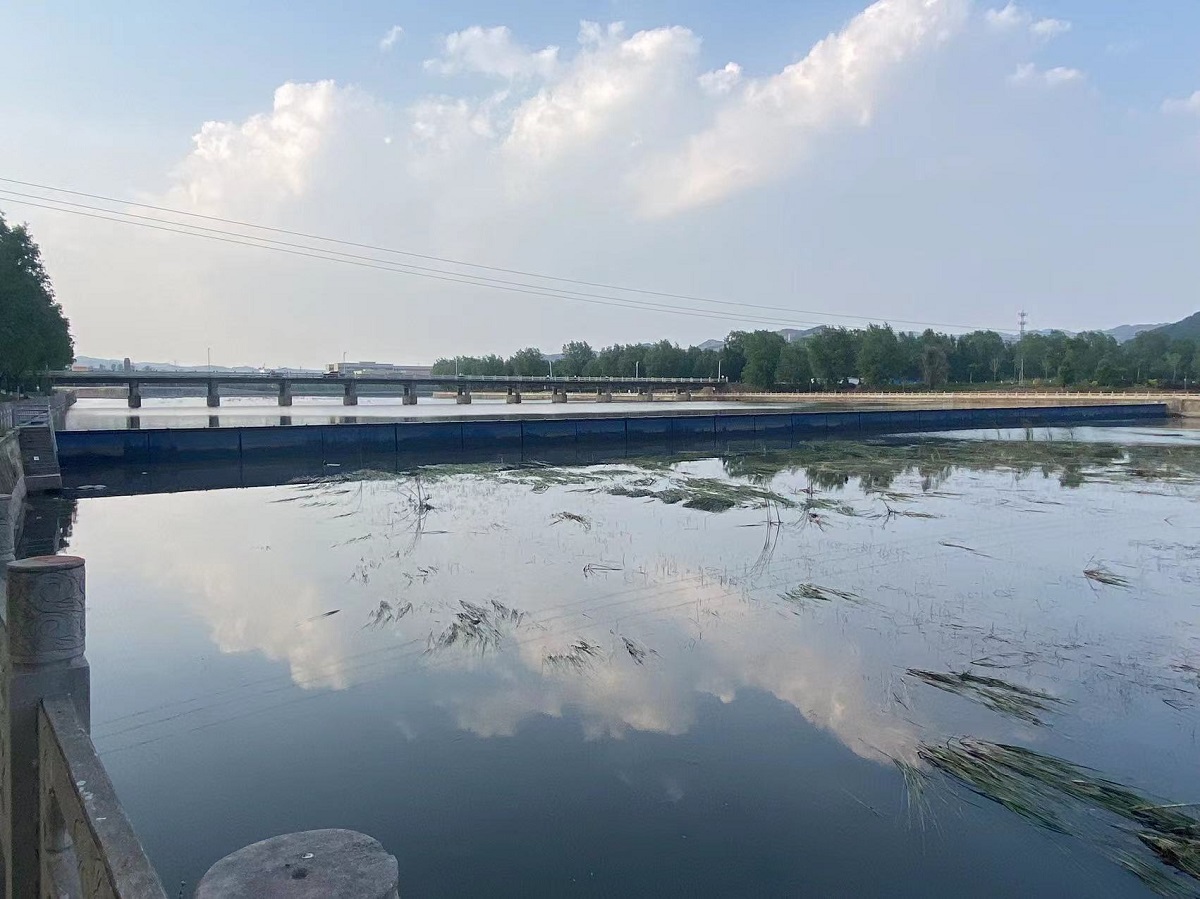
[946, 161]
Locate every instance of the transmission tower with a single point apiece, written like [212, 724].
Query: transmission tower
[1022, 320]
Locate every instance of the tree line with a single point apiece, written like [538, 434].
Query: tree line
[34, 333]
[875, 356]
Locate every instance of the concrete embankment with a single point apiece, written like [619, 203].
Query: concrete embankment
[1186, 405]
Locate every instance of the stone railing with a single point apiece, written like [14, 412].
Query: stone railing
[63, 832]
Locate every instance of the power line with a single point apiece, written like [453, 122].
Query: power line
[399, 268]
[449, 261]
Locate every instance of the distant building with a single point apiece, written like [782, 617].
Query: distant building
[378, 370]
[128, 366]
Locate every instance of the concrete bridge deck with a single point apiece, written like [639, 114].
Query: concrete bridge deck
[288, 385]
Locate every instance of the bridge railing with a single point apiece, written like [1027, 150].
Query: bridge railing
[63, 832]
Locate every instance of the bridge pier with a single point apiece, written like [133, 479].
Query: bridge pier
[463, 397]
[135, 395]
[514, 396]
[603, 396]
[285, 393]
[409, 398]
[350, 396]
[214, 395]
[646, 394]
[683, 395]
[558, 395]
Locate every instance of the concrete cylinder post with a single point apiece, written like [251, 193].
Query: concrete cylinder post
[285, 393]
[8, 530]
[214, 395]
[350, 395]
[45, 636]
[135, 395]
[317, 864]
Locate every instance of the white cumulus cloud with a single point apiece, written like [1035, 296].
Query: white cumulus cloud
[493, 52]
[721, 81]
[762, 132]
[1029, 73]
[1016, 18]
[1048, 28]
[392, 38]
[1185, 106]
[269, 154]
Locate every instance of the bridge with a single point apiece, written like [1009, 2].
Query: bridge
[288, 385]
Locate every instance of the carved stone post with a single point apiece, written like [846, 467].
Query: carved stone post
[42, 658]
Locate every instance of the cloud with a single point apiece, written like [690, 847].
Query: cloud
[722, 81]
[762, 131]
[1013, 18]
[390, 39]
[493, 52]
[613, 89]
[1185, 106]
[1008, 18]
[1029, 73]
[269, 154]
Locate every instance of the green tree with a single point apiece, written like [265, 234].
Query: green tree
[935, 367]
[34, 334]
[762, 350]
[878, 355]
[577, 355]
[793, 369]
[527, 363]
[832, 354]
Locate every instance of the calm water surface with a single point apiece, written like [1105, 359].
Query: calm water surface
[772, 674]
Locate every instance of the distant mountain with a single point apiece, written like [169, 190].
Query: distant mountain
[1125, 333]
[1185, 328]
[119, 364]
[712, 345]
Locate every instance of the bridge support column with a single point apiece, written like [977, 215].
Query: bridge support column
[683, 396]
[350, 396]
[514, 396]
[285, 393]
[135, 395]
[463, 396]
[603, 396]
[44, 661]
[214, 395]
[409, 398]
[646, 394]
[558, 395]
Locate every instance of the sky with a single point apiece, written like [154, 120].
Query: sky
[704, 167]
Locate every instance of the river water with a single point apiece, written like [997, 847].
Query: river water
[945, 665]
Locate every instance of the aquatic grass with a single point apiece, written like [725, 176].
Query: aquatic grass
[802, 592]
[1102, 575]
[476, 627]
[576, 658]
[1004, 697]
[1064, 797]
[559, 517]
